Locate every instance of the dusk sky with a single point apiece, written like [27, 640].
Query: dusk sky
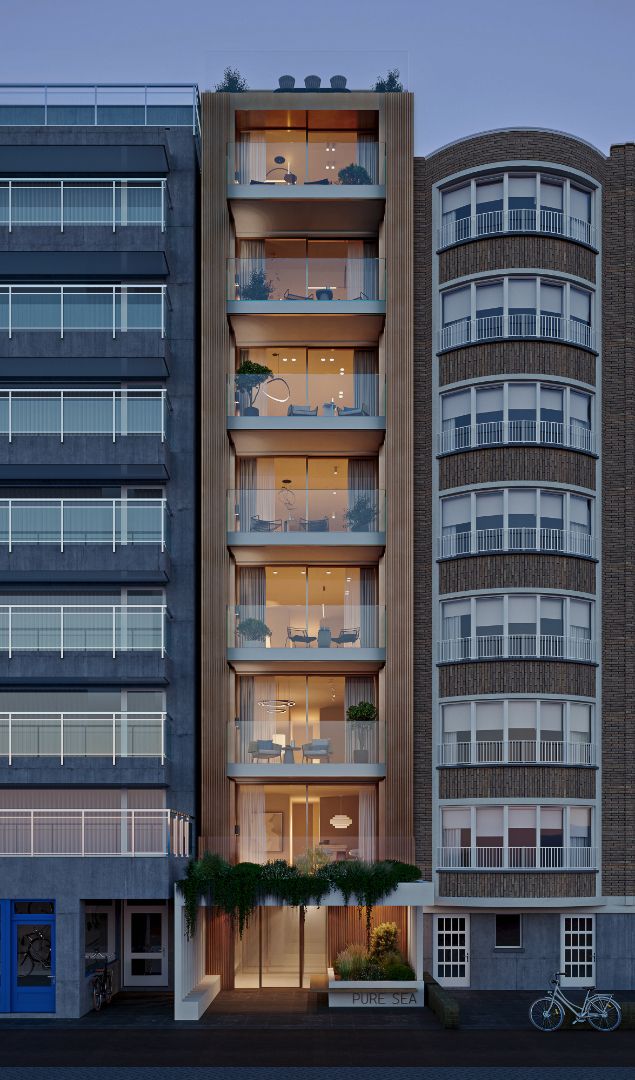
[473, 64]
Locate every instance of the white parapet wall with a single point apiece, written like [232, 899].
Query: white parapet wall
[194, 990]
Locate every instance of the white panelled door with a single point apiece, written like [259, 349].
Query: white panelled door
[451, 950]
[577, 950]
[146, 945]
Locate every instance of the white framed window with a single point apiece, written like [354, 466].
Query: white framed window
[517, 836]
[519, 731]
[508, 931]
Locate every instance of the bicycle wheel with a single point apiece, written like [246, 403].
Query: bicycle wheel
[41, 951]
[108, 987]
[546, 1014]
[604, 1014]
[25, 961]
[97, 996]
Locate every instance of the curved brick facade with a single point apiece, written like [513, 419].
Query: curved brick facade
[502, 782]
[518, 251]
[502, 677]
[531, 883]
[516, 571]
[517, 358]
[541, 464]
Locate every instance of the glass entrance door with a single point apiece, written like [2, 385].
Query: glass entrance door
[280, 948]
[145, 946]
[451, 949]
[577, 947]
[33, 961]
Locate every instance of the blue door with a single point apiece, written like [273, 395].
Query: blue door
[32, 958]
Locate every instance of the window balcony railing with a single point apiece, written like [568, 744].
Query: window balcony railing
[516, 858]
[516, 647]
[302, 162]
[306, 626]
[82, 734]
[61, 628]
[98, 833]
[65, 413]
[493, 327]
[63, 203]
[552, 222]
[330, 742]
[554, 541]
[325, 281]
[64, 308]
[307, 396]
[511, 432]
[103, 105]
[278, 512]
[516, 752]
[116, 522]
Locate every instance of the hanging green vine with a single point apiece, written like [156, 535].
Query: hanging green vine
[238, 889]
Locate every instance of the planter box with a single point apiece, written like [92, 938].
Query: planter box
[396, 994]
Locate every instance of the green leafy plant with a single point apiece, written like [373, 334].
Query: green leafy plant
[233, 82]
[360, 514]
[357, 963]
[384, 940]
[362, 713]
[250, 377]
[389, 84]
[354, 174]
[253, 629]
[314, 859]
[258, 286]
[398, 970]
[351, 962]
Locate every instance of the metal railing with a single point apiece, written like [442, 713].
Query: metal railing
[307, 396]
[63, 308]
[317, 279]
[82, 734]
[117, 522]
[331, 742]
[100, 105]
[516, 858]
[61, 628]
[307, 626]
[273, 512]
[491, 327]
[99, 832]
[60, 203]
[516, 752]
[300, 162]
[45, 411]
[516, 646]
[520, 539]
[498, 432]
[552, 222]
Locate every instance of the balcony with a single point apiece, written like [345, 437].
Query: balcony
[516, 752]
[486, 541]
[311, 285]
[62, 736]
[518, 433]
[115, 522]
[291, 635]
[73, 628]
[547, 222]
[64, 309]
[517, 858]
[516, 647]
[327, 750]
[494, 327]
[105, 105]
[95, 833]
[64, 413]
[82, 202]
[281, 165]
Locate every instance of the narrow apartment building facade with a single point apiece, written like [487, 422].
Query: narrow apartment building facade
[98, 277]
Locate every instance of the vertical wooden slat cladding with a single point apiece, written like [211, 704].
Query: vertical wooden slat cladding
[399, 479]
[508, 252]
[347, 926]
[530, 885]
[515, 571]
[539, 463]
[517, 358]
[618, 514]
[216, 828]
[220, 946]
[516, 782]
[517, 677]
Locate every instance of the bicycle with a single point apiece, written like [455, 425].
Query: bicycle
[601, 1010]
[101, 985]
[35, 950]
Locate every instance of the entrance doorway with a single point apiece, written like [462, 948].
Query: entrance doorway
[282, 946]
[145, 945]
[451, 949]
[577, 950]
[32, 957]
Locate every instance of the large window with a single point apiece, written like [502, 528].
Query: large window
[516, 412]
[516, 731]
[516, 837]
[516, 519]
[516, 626]
[517, 202]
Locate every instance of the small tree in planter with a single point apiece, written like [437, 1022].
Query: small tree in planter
[390, 84]
[361, 716]
[257, 287]
[354, 174]
[249, 378]
[253, 632]
[360, 515]
[233, 82]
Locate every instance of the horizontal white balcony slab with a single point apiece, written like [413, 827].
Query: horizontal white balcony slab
[309, 773]
[310, 659]
[306, 307]
[303, 192]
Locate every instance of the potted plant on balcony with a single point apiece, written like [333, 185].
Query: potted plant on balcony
[257, 286]
[253, 633]
[249, 378]
[361, 717]
[354, 174]
[360, 515]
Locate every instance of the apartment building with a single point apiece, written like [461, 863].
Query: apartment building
[98, 279]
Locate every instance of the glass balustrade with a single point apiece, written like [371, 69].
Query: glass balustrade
[284, 159]
[323, 280]
[276, 740]
[82, 628]
[83, 412]
[106, 105]
[275, 512]
[312, 626]
[339, 395]
[61, 203]
[82, 734]
[115, 522]
[63, 308]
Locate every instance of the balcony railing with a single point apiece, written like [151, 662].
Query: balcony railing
[325, 281]
[516, 752]
[327, 743]
[61, 628]
[98, 833]
[116, 522]
[499, 432]
[103, 105]
[270, 512]
[83, 412]
[299, 162]
[517, 646]
[552, 222]
[492, 327]
[339, 627]
[65, 308]
[555, 541]
[307, 396]
[516, 858]
[82, 734]
[62, 203]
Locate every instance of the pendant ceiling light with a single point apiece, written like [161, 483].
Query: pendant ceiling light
[277, 705]
[341, 821]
